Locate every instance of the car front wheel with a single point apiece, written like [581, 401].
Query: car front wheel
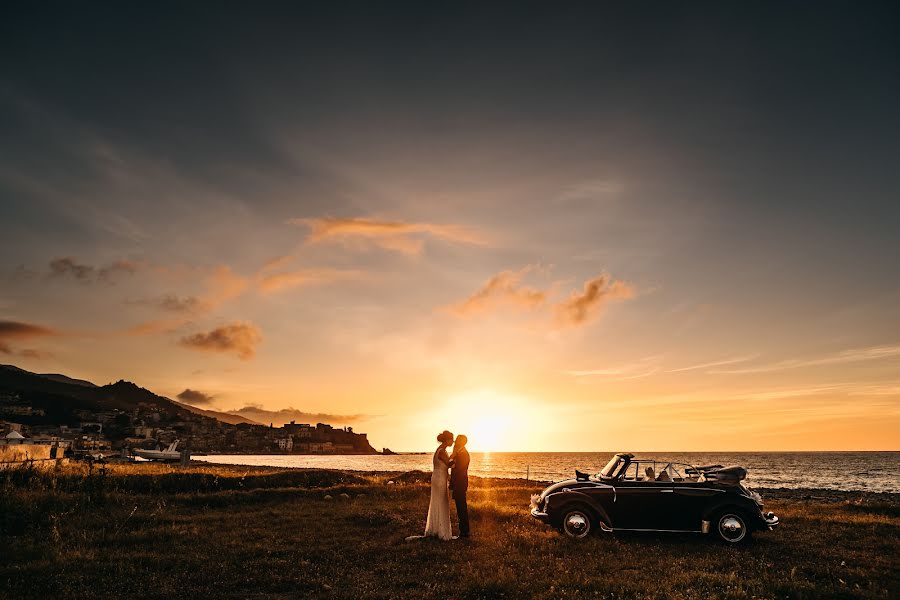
[731, 527]
[577, 523]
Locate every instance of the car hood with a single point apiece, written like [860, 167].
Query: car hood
[572, 484]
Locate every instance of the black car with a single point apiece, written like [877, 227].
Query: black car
[632, 494]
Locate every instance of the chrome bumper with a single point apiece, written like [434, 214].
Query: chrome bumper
[539, 515]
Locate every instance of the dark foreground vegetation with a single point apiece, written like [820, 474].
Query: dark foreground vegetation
[228, 532]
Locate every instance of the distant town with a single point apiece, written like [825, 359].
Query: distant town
[79, 416]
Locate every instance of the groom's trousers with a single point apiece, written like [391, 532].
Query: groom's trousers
[462, 511]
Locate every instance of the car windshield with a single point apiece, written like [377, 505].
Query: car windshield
[659, 471]
[610, 467]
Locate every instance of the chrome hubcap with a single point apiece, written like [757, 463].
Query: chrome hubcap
[577, 524]
[732, 528]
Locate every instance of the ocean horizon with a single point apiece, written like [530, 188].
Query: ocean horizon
[864, 470]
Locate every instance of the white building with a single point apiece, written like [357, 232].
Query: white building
[14, 437]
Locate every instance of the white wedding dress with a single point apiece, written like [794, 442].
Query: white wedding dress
[438, 523]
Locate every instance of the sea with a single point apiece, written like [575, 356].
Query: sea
[851, 471]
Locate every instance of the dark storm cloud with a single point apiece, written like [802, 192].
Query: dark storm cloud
[17, 331]
[195, 398]
[120, 267]
[69, 267]
[33, 353]
[175, 304]
[21, 330]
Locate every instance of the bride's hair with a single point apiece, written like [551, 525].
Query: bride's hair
[445, 437]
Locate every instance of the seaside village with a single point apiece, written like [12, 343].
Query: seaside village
[149, 426]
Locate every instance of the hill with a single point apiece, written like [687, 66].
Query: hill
[64, 379]
[59, 396]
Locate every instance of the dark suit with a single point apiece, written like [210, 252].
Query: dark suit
[459, 484]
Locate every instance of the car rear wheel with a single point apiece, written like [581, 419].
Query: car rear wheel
[731, 527]
[577, 523]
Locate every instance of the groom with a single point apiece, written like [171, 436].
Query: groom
[459, 483]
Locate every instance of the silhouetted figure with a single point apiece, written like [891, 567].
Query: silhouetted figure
[459, 482]
[438, 522]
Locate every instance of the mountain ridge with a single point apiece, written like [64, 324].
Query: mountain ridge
[53, 389]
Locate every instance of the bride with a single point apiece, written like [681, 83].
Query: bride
[438, 523]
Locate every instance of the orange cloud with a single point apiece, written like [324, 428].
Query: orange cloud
[236, 338]
[158, 326]
[505, 288]
[502, 288]
[581, 306]
[398, 236]
[224, 285]
[221, 284]
[276, 282]
[277, 263]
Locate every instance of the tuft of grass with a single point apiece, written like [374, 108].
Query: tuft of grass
[156, 531]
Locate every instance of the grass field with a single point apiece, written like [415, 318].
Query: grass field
[228, 532]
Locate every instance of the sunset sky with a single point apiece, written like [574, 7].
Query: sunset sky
[557, 227]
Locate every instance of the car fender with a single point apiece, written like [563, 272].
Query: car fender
[560, 501]
[744, 505]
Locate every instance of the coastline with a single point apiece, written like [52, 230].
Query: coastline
[785, 490]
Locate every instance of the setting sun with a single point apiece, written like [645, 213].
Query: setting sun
[491, 420]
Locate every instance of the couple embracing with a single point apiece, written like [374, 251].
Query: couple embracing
[452, 470]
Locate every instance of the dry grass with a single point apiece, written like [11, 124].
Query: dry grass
[166, 532]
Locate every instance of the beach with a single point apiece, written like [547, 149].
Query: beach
[205, 531]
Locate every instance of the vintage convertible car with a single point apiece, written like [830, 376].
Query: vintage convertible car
[632, 494]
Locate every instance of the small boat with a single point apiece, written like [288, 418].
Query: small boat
[169, 453]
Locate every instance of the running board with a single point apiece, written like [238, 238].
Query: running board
[604, 528]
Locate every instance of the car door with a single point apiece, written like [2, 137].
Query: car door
[640, 504]
[625, 508]
[690, 501]
[649, 499]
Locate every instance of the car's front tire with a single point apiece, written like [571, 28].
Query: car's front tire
[577, 522]
[732, 527]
